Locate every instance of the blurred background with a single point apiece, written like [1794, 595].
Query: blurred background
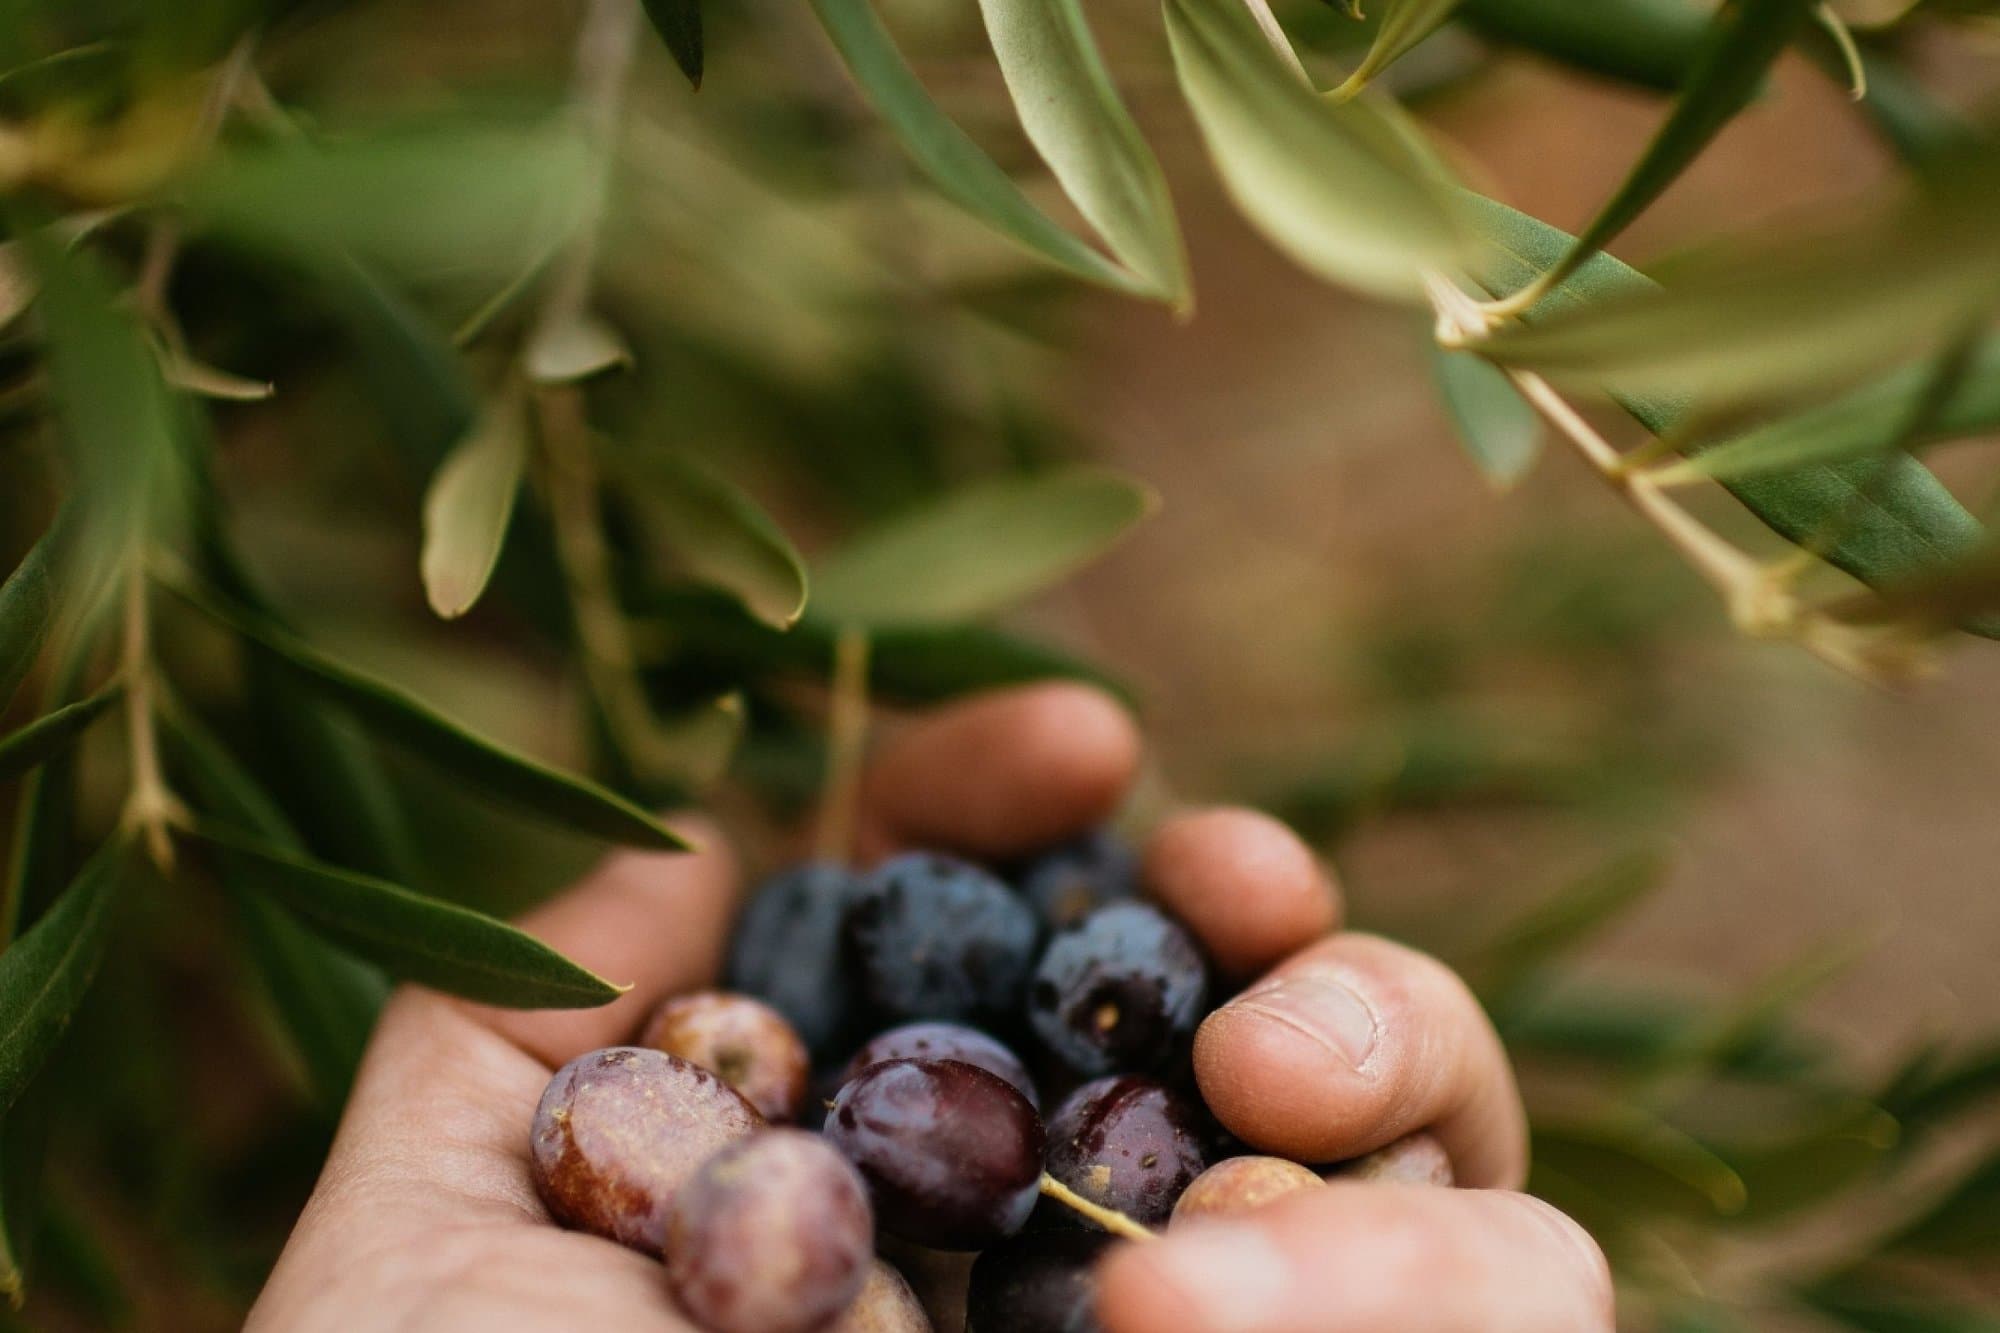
[1502, 714]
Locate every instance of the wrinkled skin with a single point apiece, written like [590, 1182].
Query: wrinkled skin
[426, 1218]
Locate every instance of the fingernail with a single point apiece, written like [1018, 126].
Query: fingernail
[1322, 1008]
[1233, 1276]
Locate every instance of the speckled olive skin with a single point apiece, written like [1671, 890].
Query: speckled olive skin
[619, 1130]
[745, 1041]
[939, 938]
[1122, 989]
[1414, 1159]
[1067, 882]
[772, 1235]
[945, 1041]
[1040, 1282]
[1241, 1185]
[1129, 1144]
[789, 950]
[952, 1154]
[886, 1305]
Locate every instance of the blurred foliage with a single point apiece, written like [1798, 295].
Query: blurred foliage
[318, 317]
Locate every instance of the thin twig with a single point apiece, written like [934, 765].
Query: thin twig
[1274, 33]
[1117, 1223]
[847, 745]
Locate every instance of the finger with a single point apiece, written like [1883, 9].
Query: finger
[1244, 883]
[1355, 1043]
[654, 921]
[1367, 1259]
[1003, 774]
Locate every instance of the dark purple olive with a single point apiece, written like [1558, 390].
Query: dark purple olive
[1120, 990]
[790, 951]
[952, 1154]
[1037, 1282]
[945, 1041]
[1067, 882]
[619, 1130]
[1129, 1144]
[939, 938]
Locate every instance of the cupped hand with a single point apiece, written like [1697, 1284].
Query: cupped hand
[425, 1217]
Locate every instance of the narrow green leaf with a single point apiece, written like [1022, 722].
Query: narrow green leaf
[1499, 429]
[468, 505]
[1628, 1030]
[1810, 1164]
[51, 734]
[1570, 916]
[1962, 1224]
[979, 549]
[957, 166]
[24, 1144]
[717, 533]
[1927, 1094]
[1888, 522]
[430, 201]
[405, 721]
[1404, 24]
[1073, 116]
[679, 24]
[326, 1000]
[1651, 43]
[1643, 1163]
[45, 972]
[1874, 1308]
[432, 943]
[27, 607]
[1743, 40]
[1337, 187]
[1790, 309]
[1865, 423]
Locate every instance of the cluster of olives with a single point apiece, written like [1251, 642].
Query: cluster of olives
[900, 997]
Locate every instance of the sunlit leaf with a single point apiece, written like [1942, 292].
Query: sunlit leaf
[1743, 40]
[51, 734]
[1557, 925]
[468, 505]
[957, 166]
[1337, 187]
[679, 24]
[1499, 429]
[404, 721]
[1073, 116]
[429, 201]
[1865, 423]
[419, 939]
[1881, 523]
[27, 607]
[717, 533]
[979, 549]
[572, 348]
[45, 972]
[1651, 43]
[326, 999]
[1789, 309]
[1404, 24]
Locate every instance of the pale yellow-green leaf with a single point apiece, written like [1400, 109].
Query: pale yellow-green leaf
[1072, 114]
[467, 508]
[206, 381]
[979, 549]
[17, 283]
[1336, 186]
[717, 533]
[1404, 24]
[573, 347]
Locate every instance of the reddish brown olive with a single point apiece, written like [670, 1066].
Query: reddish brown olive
[745, 1041]
[1414, 1159]
[1241, 1185]
[772, 1235]
[886, 1305]
[619, 1130]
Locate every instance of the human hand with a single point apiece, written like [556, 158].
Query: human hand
[425, 1216]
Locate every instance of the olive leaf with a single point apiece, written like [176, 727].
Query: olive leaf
[49, 735]
[1558, 924]
[468, 505]
[1500, 429]
[1340, 188]
[572, 347]
[1404, 24]
[717, 533]
[27, 606]
[405, 721]
[1072, 114]
[326, 999]
[24, 1143]
[979, 549]
[679, 24]
[1882, 523]
[45, 972]
[1636, 1160]
[436, 944]
[1809, 1164]
[957, 166]
[1864, 423]
[1651, 43]
[1743, 41]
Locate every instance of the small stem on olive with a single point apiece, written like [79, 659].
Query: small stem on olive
[1117, 1223]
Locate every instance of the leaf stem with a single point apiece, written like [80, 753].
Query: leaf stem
[151, 807]
[1117, 1223]
[847, 747]
[1274, 33]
